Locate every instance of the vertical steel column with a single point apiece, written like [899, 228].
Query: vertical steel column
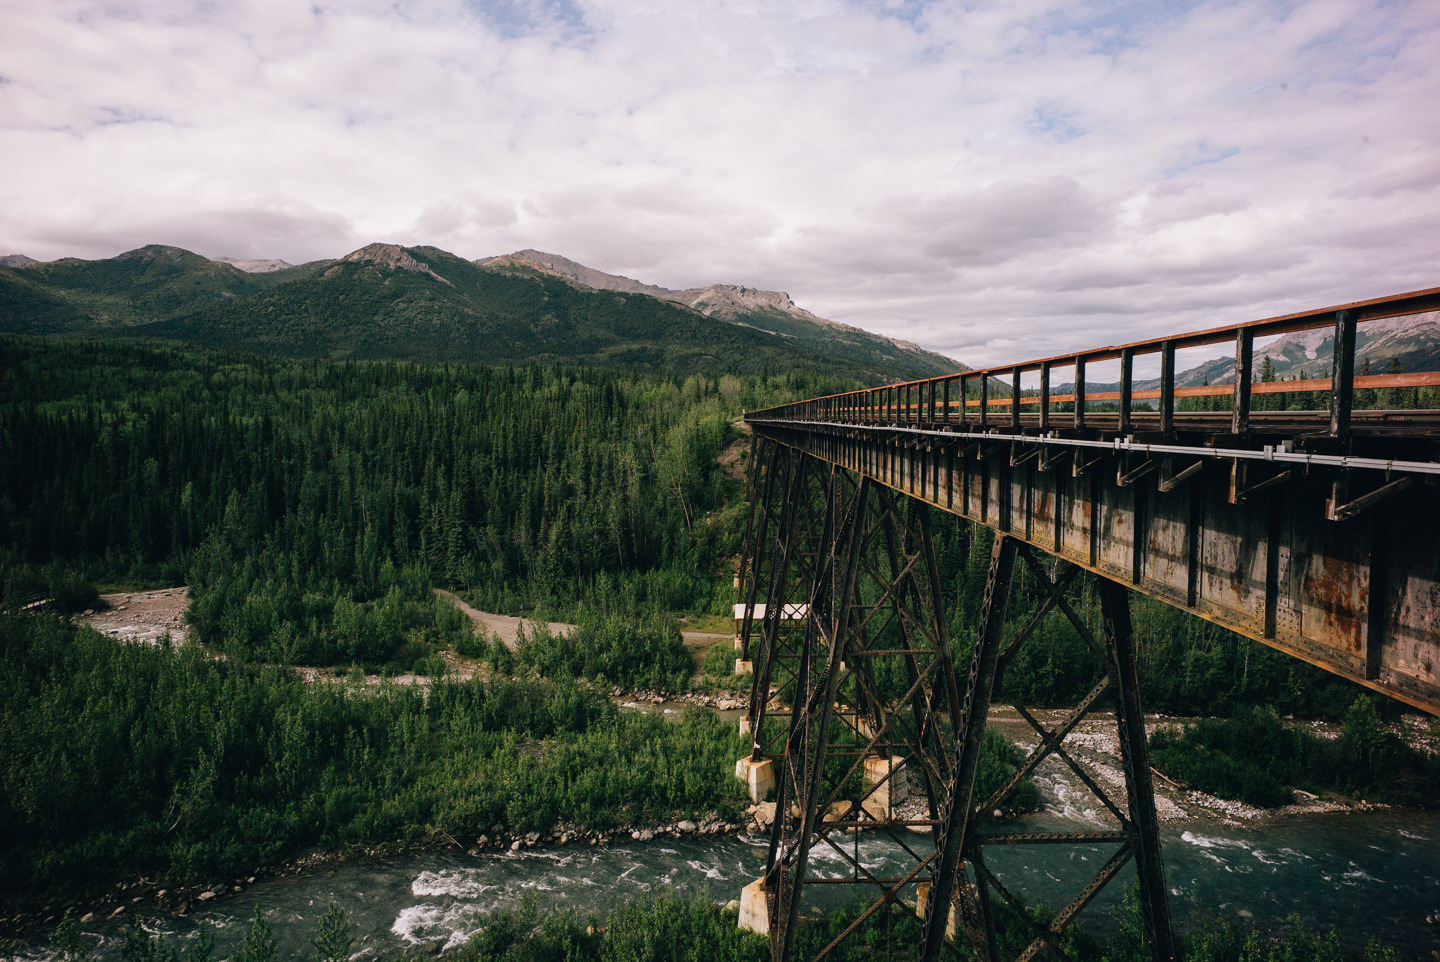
[749, 577]
[1135, 758]
[786, 548]
[955, 826]
[827, 632]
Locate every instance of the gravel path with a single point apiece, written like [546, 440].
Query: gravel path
[506, 627]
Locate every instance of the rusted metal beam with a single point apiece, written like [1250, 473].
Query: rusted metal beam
[1135, 760]
[1344, 512]
[952, 835]
[1297, 582]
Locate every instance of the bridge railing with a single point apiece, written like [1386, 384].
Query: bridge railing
[995, 397]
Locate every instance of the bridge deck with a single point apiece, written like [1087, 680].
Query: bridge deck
[1316, 532]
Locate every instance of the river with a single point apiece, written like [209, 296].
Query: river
[1369, 874]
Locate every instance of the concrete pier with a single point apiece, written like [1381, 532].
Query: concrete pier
[754, 913]
[889, 773]
[759, 775]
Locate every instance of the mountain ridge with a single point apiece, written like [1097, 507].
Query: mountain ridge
[771, 311]
[387, 302]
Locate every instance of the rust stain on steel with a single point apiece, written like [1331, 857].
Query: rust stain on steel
[1329, 592]
[1043, 512]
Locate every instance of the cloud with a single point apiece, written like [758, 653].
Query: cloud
[983, 178]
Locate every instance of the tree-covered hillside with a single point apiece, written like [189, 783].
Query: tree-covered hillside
[417, 304]
[288, 486]
[137, 287]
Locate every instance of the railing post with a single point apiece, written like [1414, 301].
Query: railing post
[1015, 401]
[1244, 365]
[1167, 388]
[984, 401]
[1079, 393]
[1342, 375]
[945, 389]
[1127, 362]
[1044, 397]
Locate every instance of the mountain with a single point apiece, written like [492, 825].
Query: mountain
[419, 303]
[17, 260]
[770, 311]
[254, 266]
[73, 295]
[1413, 342]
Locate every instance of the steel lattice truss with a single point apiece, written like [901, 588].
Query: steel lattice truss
[857, 703]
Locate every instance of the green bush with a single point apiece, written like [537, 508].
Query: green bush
[645, 652]
[1230, 758]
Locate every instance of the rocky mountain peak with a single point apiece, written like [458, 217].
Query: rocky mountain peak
[17, 260]
[564, 267]
[770, 311]
[393, 256]
[252, 265]
[154, 252]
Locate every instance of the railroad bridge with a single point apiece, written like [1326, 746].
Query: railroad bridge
[1314, 530]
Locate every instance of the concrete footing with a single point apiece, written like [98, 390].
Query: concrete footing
[890, 775]
[922, 898]
[758, 775]
[754, 913]
[744, 667]
[745, 725]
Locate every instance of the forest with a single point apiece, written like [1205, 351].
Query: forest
[312, 507]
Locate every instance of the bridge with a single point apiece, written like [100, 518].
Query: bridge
[1304, 514]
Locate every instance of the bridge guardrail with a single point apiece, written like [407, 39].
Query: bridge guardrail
[964, 401]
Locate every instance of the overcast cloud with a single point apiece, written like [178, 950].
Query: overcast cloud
[993, 181]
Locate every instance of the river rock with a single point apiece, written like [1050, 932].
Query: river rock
[686, 826]
[516, 845]
[87, 917]
[206, 896]
[431, 948]
[220, 888]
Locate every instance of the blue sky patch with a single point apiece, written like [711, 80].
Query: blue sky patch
[513, 19]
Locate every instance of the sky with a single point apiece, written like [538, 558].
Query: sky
[993, 181]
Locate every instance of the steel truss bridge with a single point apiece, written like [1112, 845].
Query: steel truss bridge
[1316, 532]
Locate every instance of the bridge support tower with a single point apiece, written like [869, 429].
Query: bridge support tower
[873, 721]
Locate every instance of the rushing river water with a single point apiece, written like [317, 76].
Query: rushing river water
[1371, 874]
